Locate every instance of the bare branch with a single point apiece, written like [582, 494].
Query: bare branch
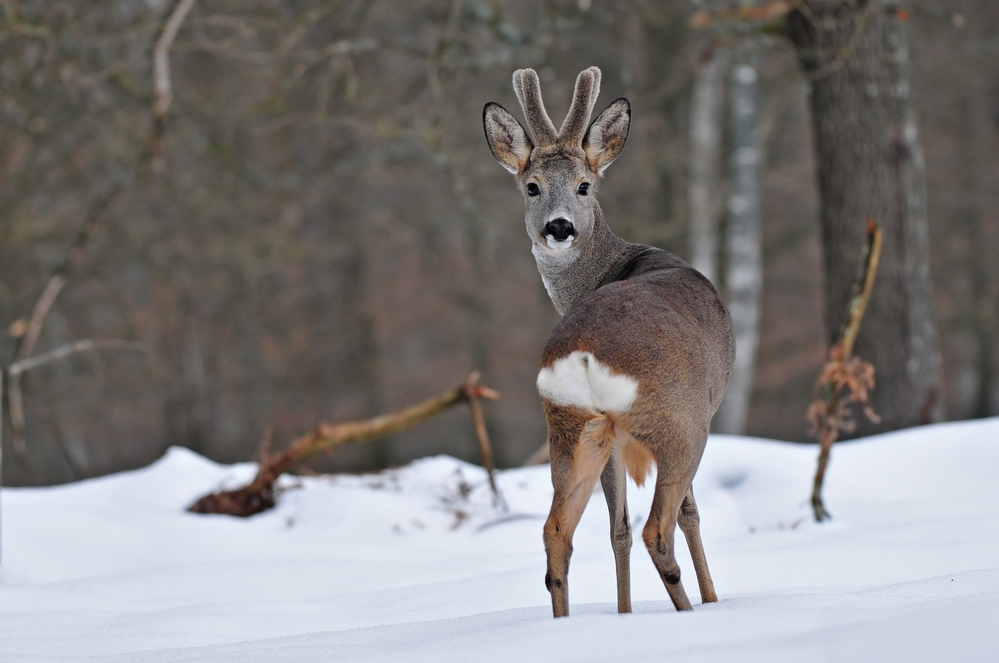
[91, 224]
[258, 495]
[847, 378]
[15, 398]
[162, 87]
[845, 52]
[862, 290]
[62, 351]
[38, 314]
[472, 394]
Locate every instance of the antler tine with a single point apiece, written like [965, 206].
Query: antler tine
[583, 98]
[528, 89]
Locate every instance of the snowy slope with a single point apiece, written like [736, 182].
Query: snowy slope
[415, 564]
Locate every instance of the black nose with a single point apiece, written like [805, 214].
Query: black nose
[559, 229]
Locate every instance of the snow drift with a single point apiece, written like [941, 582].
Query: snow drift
[415, 563]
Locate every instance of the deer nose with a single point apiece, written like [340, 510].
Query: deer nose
[559, 229]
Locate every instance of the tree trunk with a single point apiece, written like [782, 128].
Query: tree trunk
[705, 191]
[744, 260]
[854, 53]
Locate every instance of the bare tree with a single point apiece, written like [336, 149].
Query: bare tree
[870, 163]
[317, 235]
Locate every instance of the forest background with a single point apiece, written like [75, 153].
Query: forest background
[315, 230]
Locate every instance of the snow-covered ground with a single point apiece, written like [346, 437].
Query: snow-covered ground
[414, 564]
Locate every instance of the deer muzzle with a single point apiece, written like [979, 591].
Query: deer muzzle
[559, 233]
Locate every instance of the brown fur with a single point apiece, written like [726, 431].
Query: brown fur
[637, 459]
[601, 433]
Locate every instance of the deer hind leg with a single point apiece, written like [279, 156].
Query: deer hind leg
[690, 525]
[579, 450]
[658, 536]
[613, 480]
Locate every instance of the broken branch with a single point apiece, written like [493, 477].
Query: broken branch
[472, 395]
[259, 496]
[848, 379]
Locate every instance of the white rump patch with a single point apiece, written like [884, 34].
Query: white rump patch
[580, 380]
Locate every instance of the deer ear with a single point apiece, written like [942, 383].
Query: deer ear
[605, 138]
[507, 139]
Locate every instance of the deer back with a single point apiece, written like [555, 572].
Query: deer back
[655, 342]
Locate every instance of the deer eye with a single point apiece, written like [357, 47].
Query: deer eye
[584, 188]
[533, 189]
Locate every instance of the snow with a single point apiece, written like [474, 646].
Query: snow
[416, 564]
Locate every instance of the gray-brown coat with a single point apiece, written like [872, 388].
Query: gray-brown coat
[637, 366]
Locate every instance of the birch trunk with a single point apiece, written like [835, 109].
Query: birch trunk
[705, 192]
[744, 269]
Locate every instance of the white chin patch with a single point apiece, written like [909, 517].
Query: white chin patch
[555, 244]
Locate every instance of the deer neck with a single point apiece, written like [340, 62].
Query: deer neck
[569, 275]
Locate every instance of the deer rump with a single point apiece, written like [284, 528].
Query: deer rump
[634, 359]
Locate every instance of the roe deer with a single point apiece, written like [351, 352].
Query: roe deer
[633, 372]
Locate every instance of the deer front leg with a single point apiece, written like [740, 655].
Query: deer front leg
[613, 480]
[577, 460]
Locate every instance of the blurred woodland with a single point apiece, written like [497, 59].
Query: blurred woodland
[314, 229]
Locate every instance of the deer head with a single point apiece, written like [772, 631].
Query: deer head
[558, 172]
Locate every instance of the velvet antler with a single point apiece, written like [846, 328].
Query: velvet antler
[583, 98]
[528, 89]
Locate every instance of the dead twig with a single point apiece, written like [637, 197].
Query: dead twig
[19, 367]
[844, 379]
[472, 394]
[33, 327]
[259, 496]
[30, 329]
[14, 395]
[162, 86]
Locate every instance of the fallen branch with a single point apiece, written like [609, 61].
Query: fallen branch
[846, 379]
[259, 496]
